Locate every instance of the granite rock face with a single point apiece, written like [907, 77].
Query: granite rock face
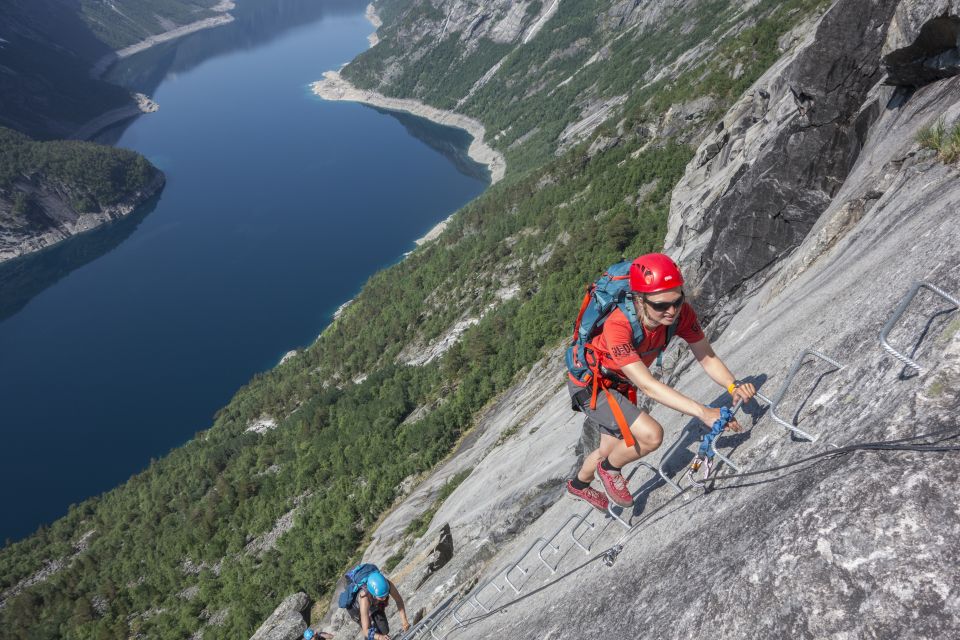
[856, 546]
[287, 621]
[922, 45]
[52, 216]
[776, 160]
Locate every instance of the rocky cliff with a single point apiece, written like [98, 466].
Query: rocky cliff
[50, 191]
[50, 214]
[802, 222]
[545, 76]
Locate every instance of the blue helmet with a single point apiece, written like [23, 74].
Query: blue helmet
[377, 585]
[308, 634]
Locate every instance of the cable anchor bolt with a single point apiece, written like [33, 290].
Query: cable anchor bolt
[610, 555]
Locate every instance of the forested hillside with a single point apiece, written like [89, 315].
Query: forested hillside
[646, 72]
[50, 46]
[51, 190]
[281, 491]
[48, 51]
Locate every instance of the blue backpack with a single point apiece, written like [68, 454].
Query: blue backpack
[611, 291]
[356, 578]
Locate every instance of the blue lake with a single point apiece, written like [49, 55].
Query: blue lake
[119, 345]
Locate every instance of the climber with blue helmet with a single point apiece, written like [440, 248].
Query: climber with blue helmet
[369, 607]
[310, 634]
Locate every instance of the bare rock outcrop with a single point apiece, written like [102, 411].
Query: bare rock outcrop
[819, 209]
[853, 547]
[922, 44]
[774, 163]
[51, 216]
[287, 622]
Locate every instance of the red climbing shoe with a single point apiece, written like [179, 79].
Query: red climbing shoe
[615, 485]
[588, 494]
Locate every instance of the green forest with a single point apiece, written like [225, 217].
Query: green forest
[125, 22]
[539, 86]
[177, 542]
[94, 175]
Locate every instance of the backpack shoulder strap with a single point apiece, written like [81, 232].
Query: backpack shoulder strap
[626, 306]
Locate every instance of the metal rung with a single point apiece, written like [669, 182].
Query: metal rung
[443, 618]
[516, 565]
[900, 310]
[786, 385]
[611, 507]
[456, 610]
[689, 429]
[476, 594]
[590, 525]
[555, 547]
[713, 445]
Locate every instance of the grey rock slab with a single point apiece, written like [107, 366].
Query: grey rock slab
[792, 140]
[287, 622]
[856, 547]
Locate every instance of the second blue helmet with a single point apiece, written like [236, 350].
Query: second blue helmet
[377, 585]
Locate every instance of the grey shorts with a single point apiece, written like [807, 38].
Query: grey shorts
[602, 417]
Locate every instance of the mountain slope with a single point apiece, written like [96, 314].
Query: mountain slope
[851, 547]
[48, 49]
[289, 484]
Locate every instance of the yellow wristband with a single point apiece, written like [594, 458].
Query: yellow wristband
[732, 388]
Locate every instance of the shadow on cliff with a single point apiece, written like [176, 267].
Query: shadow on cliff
[24, 278]
[679, 450]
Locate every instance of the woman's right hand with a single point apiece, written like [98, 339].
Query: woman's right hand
[709, 415]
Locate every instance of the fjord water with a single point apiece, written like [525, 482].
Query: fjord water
[121, 344]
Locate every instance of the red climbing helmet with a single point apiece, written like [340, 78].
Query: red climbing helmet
[654, 272]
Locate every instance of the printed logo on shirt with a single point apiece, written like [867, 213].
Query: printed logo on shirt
[622, 350]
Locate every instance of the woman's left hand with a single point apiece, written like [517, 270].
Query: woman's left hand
[743, 392]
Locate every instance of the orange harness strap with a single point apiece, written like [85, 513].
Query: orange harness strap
[597, 381]
[621, 420]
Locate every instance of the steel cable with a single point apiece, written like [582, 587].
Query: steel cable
[907, 444]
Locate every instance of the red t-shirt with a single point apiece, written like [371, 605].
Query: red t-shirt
[615, 342]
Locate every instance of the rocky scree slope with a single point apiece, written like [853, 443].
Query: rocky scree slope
[852, 547]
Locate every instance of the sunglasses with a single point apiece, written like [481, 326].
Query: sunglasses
[663, 306]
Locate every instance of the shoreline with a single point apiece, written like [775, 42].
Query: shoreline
[90, 129]
[334, 87]
[103, 64]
